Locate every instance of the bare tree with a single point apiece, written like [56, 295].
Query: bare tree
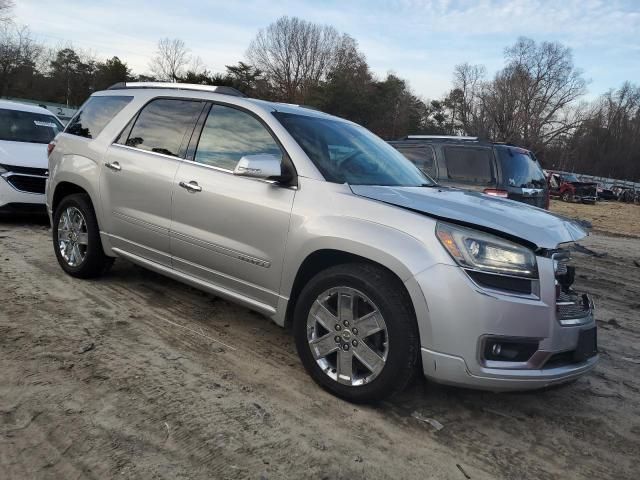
[18, 51]
[6, 10]
[170, 60]
[468, 114]
[294, 55]
[534, 98]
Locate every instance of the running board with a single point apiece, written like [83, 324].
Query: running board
[250, 303]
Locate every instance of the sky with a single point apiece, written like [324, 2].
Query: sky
[419, 40]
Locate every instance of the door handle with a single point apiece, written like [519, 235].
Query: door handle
[115, 166]
[192, 186]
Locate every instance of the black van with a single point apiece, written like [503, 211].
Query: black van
[465, 162]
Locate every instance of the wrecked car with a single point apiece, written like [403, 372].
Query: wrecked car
[320, 225]
[570, 189]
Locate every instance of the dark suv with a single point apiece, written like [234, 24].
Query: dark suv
[465, 162]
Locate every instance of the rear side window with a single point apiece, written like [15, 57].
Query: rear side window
[162, 124]
[94, 115]
[470, 165]
[422, 157]
[520, 170]
[230, 134]
[29, 127]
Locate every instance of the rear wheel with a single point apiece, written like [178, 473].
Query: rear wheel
[356, 332]
[76, 238]
[566, 197]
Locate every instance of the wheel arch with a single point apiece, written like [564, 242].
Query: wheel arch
[325, 258]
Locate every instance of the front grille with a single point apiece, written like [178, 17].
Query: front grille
[27, 184]
[586, 191]
[572, 305]
[43, 172]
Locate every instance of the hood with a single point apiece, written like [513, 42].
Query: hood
[506, 217]
[24, 154]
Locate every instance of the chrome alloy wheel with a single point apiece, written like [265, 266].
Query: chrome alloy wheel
[73, 238]
[347, 336]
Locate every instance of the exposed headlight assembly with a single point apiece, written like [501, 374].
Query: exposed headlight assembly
[481, 251]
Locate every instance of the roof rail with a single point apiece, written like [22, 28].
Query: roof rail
[178, 86]
[439, 137]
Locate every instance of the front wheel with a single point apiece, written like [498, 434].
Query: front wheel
[566, 197]
[76, 238]
[356, 333]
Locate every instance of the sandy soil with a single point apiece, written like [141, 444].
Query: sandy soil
[137, 376]
[617, 218]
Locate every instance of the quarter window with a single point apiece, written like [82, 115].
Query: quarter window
[471, 165]
[422, 157]
[162, 125]
[95, 114]
[230, 134]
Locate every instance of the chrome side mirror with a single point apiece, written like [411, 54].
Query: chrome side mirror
[263, 165]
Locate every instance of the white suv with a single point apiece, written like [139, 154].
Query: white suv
[25, 131]
[319, 224]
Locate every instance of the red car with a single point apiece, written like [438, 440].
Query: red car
[569, 188]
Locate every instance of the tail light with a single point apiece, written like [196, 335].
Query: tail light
[496, 193]
[547, 199]
[50, 147]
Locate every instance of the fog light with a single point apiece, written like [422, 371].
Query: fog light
[508, 350]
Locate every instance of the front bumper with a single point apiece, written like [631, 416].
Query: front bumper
[460, 315]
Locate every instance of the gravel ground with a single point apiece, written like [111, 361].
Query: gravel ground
[137, 376]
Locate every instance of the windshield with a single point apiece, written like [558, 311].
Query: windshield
[17, 126]
[570, 178]
[348, 153]
[520, 170]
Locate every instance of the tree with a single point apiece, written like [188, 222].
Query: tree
[295, 55]
[112, 71]
[18, 56]
[170, 60]
[6, 10]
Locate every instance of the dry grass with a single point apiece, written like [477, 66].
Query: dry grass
[612, 217]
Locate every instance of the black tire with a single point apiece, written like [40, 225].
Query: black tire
[566, 197]
[388, 294]
[95, 262]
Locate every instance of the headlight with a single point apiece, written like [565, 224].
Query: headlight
[485, 252]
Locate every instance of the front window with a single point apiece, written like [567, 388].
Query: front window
[570, 178]
[18, 126]
[520, 170]
[347, 153]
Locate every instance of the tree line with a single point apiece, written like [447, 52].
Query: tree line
[537, 100]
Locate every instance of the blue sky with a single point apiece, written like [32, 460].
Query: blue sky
[420, 40]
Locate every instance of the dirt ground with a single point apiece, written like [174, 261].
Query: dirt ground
[606, 217]
[137, 376]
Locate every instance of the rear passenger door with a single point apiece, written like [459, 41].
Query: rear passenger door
[422, 156]
[471, 168]
[138, 173]
[228, 230]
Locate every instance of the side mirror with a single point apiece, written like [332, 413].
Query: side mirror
[263, 165]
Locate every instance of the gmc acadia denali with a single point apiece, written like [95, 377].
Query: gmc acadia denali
[318, 224]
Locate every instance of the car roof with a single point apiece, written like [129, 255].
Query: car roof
[214, 93]
[24, 107]
[417, 140]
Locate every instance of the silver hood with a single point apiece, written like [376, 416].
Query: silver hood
[515, 219]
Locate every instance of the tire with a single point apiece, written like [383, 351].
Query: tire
[374, 289]
[566, 197]
[89, 261]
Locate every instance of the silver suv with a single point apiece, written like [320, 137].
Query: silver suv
[318, 224]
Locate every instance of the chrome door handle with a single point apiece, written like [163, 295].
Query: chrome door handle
[192, 186]
[115, 166]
